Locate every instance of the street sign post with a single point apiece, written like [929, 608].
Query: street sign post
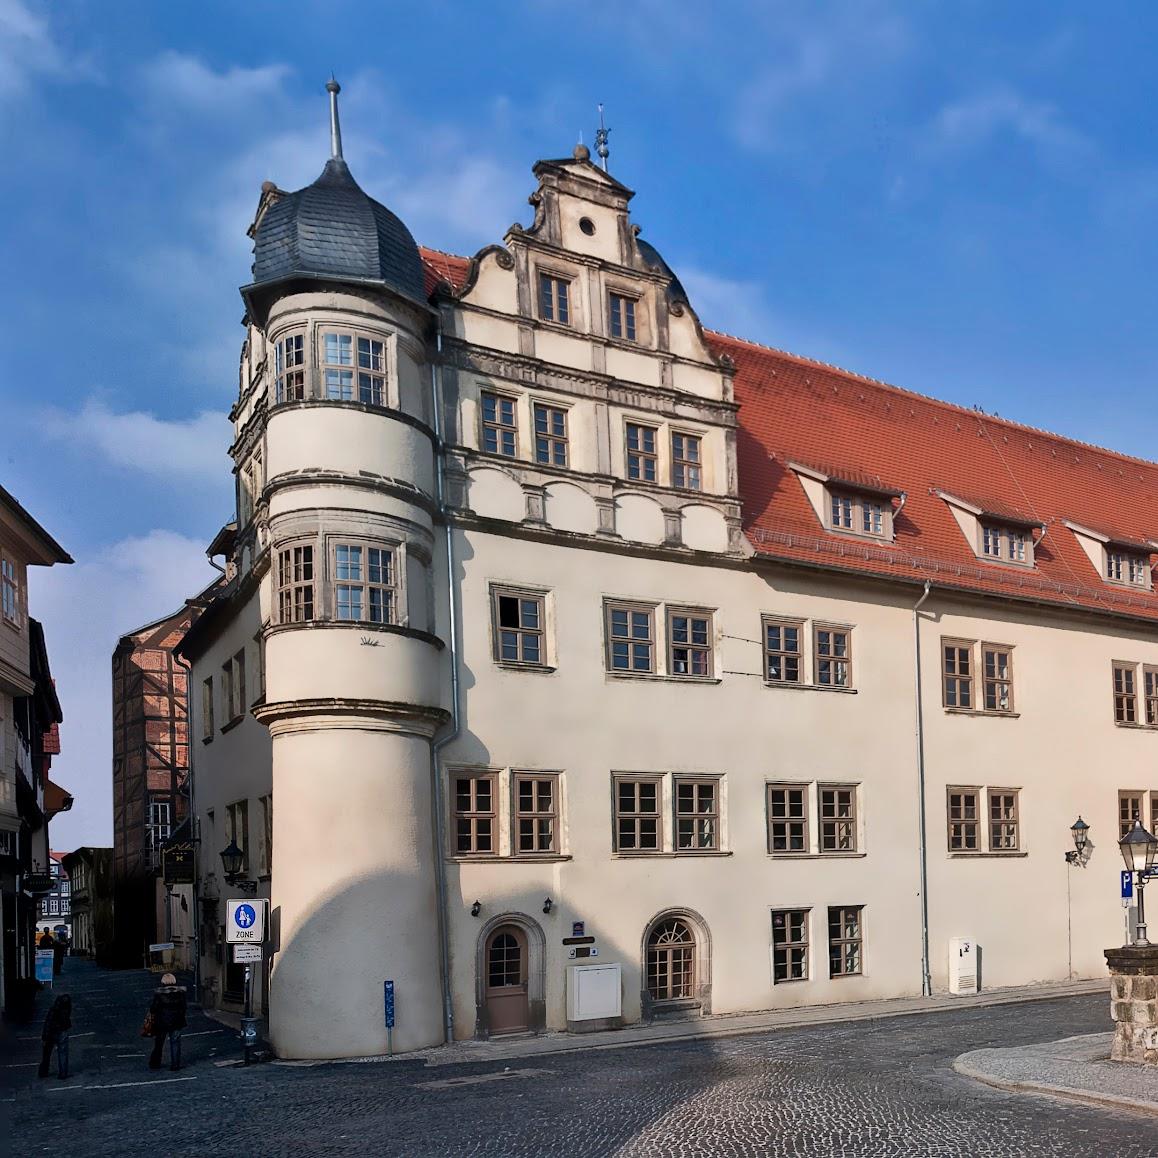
[245, 927]
[388, 987]
[245, 922]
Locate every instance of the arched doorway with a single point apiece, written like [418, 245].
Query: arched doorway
[671, 961]
[505, 994]
[676, 965]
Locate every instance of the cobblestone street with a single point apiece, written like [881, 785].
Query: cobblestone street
[872, 1088]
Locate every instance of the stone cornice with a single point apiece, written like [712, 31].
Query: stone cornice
[534, 372]
[374, 482]
[342, 713]
[363, 629]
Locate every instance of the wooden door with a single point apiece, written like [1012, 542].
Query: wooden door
[508, 1010]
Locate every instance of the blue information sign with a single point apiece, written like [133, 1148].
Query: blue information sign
[246, 915]
[1127, 884]
[389, 985]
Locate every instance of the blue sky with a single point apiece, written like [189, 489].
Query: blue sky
[955, 198]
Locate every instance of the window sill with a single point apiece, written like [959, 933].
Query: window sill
[661, 854]
[1136, 727]
[1011, 855]
[534, 668]
[657, 677]
[509, 858]
[982, 712]
[803, 687]
[232, 724]
[816, 855]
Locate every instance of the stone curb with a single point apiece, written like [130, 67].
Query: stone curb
[831, 1015]
[1048, 1089]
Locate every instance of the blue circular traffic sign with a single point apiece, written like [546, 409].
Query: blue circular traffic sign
[245, 916]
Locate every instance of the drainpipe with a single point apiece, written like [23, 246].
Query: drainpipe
[456, 716]
[926, 979]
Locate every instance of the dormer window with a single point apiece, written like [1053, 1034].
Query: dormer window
[860, 514]
[1003, 544]
[1126, 567]
[1121, 560]
[996, 531]
[849, 501]
[553, 299]
[622, 315]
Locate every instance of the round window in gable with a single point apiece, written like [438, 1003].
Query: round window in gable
[587, 225]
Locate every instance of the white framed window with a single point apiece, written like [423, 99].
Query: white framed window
[353, 367]
[9, 590]
[365, 583]
[686, 461]
[160, 822]
[295, 583]
[289, 355]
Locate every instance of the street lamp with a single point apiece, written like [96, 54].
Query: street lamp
[1080, 831]
[1139, 849]
[232, 859]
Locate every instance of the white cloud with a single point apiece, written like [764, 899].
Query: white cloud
[178, 80]
[980, 118]
[26, 47]
[85, 609]
[192, 447]
[814, 71]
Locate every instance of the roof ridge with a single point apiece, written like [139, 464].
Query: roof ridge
[978, 415]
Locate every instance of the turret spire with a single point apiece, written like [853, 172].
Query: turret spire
[601, 140]
[333, 88]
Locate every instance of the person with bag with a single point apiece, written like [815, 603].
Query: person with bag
[166, 1018]
[55, 1036]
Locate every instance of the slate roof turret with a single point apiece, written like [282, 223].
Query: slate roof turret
[333, 230]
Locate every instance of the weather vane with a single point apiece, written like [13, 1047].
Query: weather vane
[601, 141]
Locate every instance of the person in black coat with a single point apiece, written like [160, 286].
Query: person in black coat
[55, 1036]
[168, 1012]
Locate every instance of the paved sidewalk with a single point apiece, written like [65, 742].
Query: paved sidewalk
[721, 1026]
[1075, 1068]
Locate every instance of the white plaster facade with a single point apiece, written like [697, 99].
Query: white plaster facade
[358, 730]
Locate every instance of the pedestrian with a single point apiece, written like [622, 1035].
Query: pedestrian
[166, 1019]
[55, 1036]
[46, 941]
[58, 947]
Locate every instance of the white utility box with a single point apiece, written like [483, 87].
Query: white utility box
[964, 965]
[594, 995]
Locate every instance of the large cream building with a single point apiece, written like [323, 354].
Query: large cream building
[562, 633]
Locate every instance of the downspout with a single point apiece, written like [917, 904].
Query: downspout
[456, 716]
[926, 978]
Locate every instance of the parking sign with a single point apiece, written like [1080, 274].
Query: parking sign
[245, 922]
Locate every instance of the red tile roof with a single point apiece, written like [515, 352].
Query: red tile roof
[438, 266]
[795, 410]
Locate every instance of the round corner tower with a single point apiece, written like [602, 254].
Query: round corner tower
[338, 313]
